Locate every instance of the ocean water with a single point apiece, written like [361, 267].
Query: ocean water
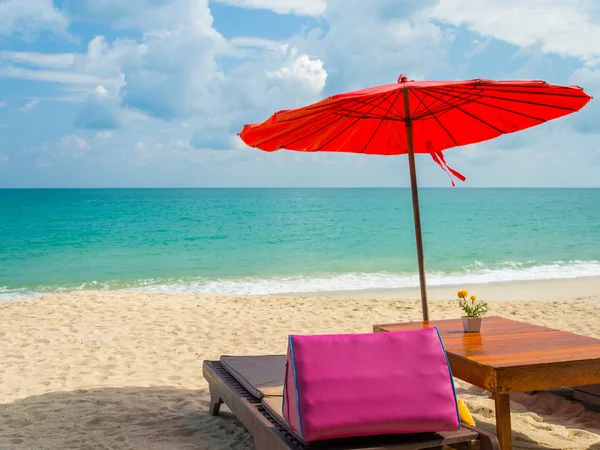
[257, 241]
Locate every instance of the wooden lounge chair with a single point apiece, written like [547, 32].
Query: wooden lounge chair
[589, 394]
[251, 387]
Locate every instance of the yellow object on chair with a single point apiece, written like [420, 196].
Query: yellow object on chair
[465, 415]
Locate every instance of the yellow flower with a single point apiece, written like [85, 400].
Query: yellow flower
[473, 298]
[463, 293]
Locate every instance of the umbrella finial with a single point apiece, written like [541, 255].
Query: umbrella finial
[402, 79]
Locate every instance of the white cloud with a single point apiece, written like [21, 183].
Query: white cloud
[51, 76]
[100, 110]
[590, 78]
[28, 17]
[300, 7]
[371, 43]
[102, 64]
[56, 60]
[3, 104]
[567, 28]
[308, 71]
[142, 14]
[172, 71]
[109, 60]
[27, 108]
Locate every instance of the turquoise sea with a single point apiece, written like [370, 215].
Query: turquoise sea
[254, 241]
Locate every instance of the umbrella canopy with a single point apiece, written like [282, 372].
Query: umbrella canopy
[415, 117]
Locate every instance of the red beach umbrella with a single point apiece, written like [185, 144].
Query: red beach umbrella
[415, 117]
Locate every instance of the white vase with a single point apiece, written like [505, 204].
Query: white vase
[472, 324]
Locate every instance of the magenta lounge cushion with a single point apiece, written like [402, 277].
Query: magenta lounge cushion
[339, 386]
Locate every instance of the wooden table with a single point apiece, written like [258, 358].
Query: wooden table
[509, 356]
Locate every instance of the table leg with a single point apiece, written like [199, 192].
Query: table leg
[503, 427]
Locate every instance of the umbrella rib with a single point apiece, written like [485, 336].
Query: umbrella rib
[519, 113]
[458, 99]
[524, 90]
[446, 105]
[301, 125]
[479, 102]
[400, 114]
[392, 103]
[475, 117]
[439, 122]
[545, 105]
[327, 125]
[314, 109]
[415, 115]
[349, 112]
[352, 124]
[326, 106]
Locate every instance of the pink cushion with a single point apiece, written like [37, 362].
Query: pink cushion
[339, 386]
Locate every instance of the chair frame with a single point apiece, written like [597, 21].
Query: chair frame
[270, 434]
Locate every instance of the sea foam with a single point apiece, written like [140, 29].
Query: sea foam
[476, 273]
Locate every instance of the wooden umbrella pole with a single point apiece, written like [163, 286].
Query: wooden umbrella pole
[415, 200]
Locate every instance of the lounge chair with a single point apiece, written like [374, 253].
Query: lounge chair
[251, 387]
[589, 394]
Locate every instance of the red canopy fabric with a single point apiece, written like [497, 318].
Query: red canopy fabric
[443, 114]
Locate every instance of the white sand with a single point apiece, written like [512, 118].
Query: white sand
[100, 369]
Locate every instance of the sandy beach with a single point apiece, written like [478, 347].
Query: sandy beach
[112, 369]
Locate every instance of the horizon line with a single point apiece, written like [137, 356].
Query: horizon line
[298, 187]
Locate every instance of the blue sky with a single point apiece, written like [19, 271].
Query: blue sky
[113, 93]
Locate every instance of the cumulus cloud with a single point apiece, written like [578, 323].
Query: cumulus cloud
[30, 17]
[99, 111]
[370, 43]
[309, 72]
[177, 77]
[567, 28]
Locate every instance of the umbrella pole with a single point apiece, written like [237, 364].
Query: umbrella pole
[415, 200]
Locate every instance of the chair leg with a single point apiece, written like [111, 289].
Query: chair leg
[215, 404]
[488, 442]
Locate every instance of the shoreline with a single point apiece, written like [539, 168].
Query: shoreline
[582, 288]
[587, 287]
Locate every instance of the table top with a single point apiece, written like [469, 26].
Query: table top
[504, 343]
